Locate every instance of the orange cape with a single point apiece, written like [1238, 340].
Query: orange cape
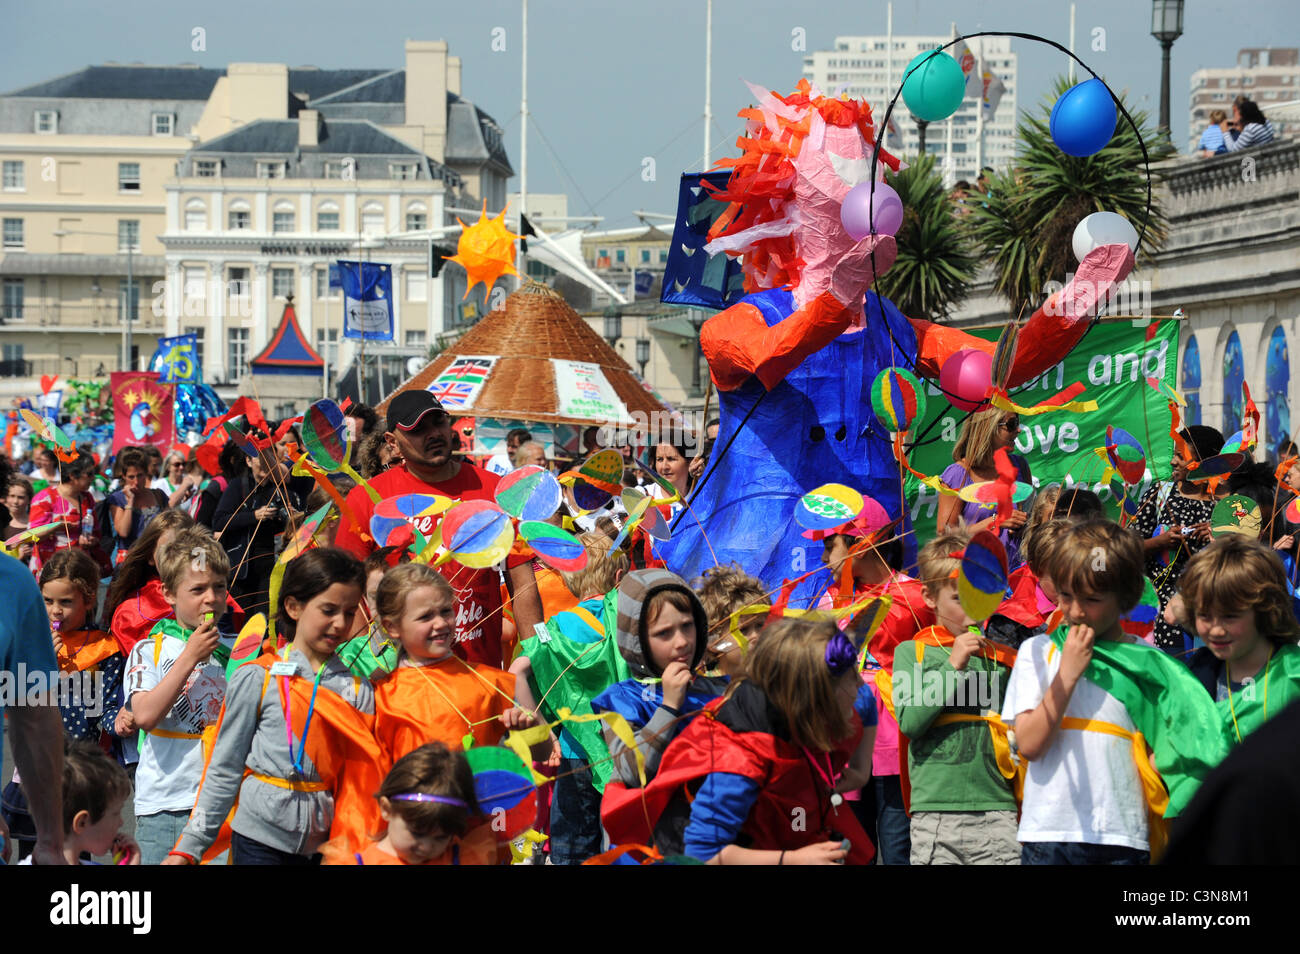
[438, 703]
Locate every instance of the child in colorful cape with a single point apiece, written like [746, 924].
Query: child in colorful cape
[877, 571]
[661, 629]
[70, 586]
[948, 682]
[431, 815]
[1238, 599]
[1087, 700]
[95, 790]
[433, 695]
[294, 752]
[782, 744]
[372, 654]
[565, 668]
[175, 685]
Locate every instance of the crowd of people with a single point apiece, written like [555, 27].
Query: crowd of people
[667, 720]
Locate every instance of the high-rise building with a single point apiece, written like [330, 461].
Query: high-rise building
[1270, 77]
[860, 66]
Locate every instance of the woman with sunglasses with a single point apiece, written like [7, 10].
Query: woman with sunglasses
[982, 435]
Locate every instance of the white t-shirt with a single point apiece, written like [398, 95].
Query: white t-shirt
[1085, 787]
[500, 464]
[167, 778]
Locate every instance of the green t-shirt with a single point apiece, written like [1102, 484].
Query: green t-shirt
[952, 767]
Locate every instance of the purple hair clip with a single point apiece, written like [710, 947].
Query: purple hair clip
[423, 797]
[840, 654]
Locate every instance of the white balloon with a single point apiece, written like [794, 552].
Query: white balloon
[1103, 228]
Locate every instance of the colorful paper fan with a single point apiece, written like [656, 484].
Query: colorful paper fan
[558, 549]
[1235, 514]
[1173, 395]
[242, 440]
[589, 497]
[477, 534]
[1219, 465]
[1141, 619]
[324, 431]
[603, 469]
[654, 475]
[397, 512]
[46, 429]
[1128, 503]
[249, 644]
[1126, 455]
[898, 398]
[985, 492]
[1292, 511]
[655, 523]
[982, 579]
[303, 539]
[1004, 355]
[1234, 443]
[637, 505]
[504, 789]
[828, 506]
[32, 534]
[529, 493]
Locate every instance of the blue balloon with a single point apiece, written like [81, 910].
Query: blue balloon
[1083, 119]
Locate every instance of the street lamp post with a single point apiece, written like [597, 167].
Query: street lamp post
[642, 353]
[613, 325]
[1166, 27]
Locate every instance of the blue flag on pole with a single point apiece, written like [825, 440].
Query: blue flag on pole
[692, 277]
[177, 360]
[369, 310]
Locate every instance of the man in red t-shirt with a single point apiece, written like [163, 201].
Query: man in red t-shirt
[420, 430]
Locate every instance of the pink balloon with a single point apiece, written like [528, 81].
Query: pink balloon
[856, 211]
[966, 378]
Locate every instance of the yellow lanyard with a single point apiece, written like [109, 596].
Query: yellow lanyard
[1227, 674]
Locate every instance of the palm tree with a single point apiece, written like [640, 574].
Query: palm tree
[936, 261]
[1025, 224]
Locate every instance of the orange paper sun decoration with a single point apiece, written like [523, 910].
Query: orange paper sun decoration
[486, 250]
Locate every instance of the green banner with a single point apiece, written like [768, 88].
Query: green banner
[1113, 361]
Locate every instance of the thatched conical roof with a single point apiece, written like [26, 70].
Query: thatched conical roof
[534, 326]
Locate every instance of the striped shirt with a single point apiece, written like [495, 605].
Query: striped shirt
[1253, 135]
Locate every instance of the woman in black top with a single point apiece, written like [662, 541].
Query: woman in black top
[252, 511]
[231, 463]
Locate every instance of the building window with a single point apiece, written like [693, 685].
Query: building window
[128, 177]
[645, 256]
[282, 222]
[163, 124]
[335, 169]
[13, 233]
[267, 169]
[128, 306]
[128, 235]
[327, 346]
[281, 282]
[196, 217]
[14, 178]
[327, 221]
[13, 365]
[620, 256]
[238, 283]
[13, 300]
[47, 121]
[239, 219]
[207, 168]
[417, 339]
[416, 221]
[663, 256]
[401, 170]
[323, 289]
[372, 221]
[417, 283]
[236, 352]
[197, 331]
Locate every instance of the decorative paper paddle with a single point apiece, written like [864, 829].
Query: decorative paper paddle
[557, 548]
[898, 399]
[986, 492]
[249, 644]
[242, 440]
[304, 539]
[982, 578]
[504, 789]
[324, 431]
[1220, 465]
[529, 493]
[1235, 514]
[1125, 455]
[828, 506]
[597, 480]
[47, 430]
[1172, 394]
[477, 534]
[397, 512]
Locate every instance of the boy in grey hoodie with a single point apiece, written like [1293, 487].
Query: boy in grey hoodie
[662, 633]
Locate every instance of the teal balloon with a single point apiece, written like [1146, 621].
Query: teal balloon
[934, 90]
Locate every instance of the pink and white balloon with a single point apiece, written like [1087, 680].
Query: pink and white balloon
[864, 212]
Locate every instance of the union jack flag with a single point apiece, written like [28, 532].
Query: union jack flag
[453, 393]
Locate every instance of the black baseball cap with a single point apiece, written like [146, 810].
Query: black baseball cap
[407, 409]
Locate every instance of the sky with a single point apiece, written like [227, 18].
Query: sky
[612, 83]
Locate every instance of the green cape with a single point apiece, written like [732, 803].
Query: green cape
[1271, 691]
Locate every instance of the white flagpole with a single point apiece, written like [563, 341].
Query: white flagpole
[889, 68]
[979, 113]
[949, 176]
[1072, 44]
[325, 340]
[708, 83]
[523, 148]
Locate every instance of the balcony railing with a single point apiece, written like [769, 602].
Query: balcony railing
[57, 316]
